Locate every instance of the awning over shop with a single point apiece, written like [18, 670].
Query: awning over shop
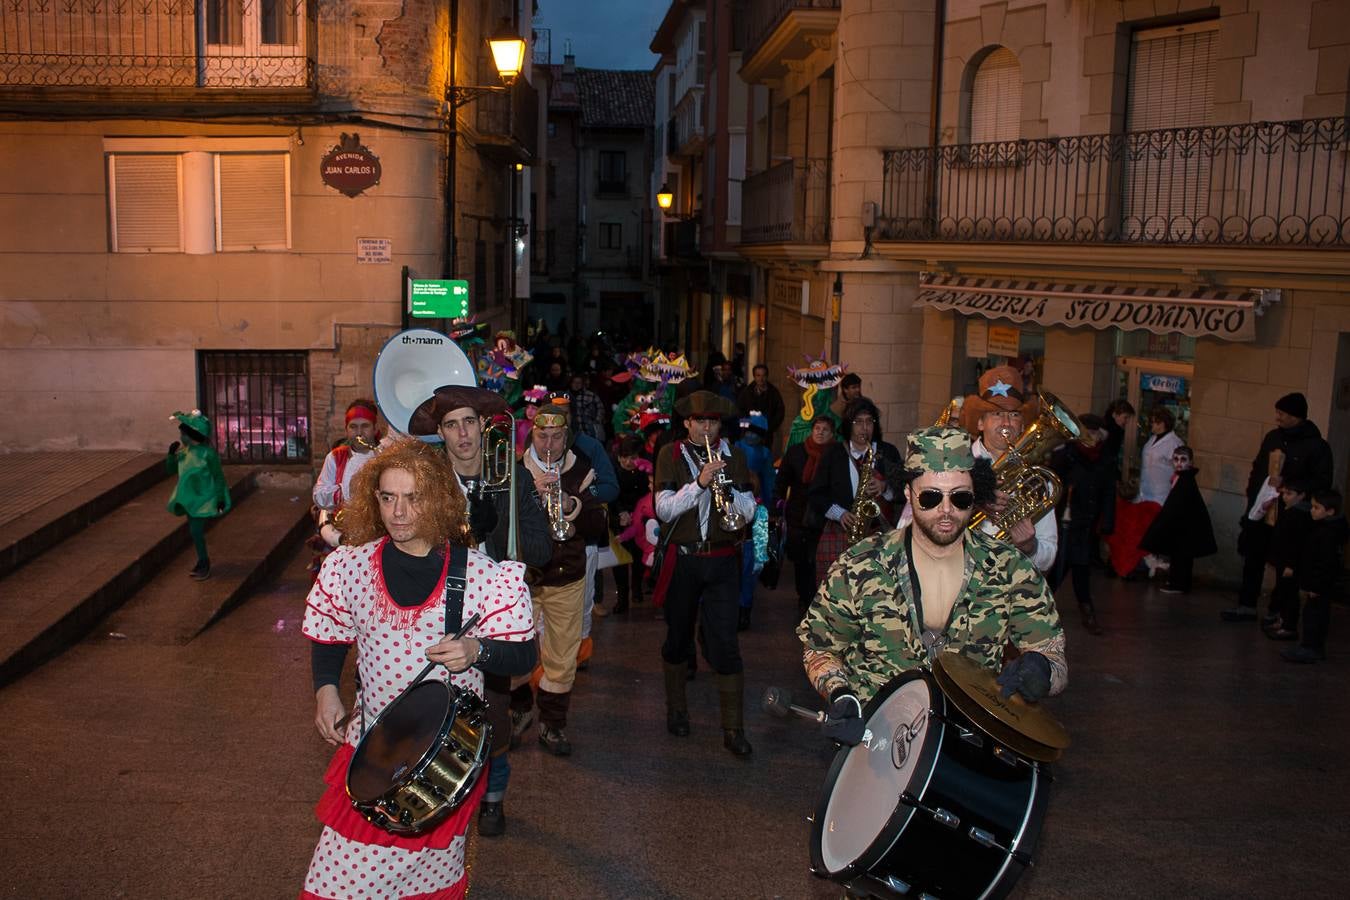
[1200, 312]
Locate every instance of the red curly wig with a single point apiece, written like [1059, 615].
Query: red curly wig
[441, 507]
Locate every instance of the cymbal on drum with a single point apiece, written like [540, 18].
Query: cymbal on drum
[1026, 728]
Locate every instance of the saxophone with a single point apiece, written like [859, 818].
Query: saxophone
[558, 527]
[728, 518]
[864, 509]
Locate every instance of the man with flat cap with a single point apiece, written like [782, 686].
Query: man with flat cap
[705, 558]
[458, 414]
[893, 601]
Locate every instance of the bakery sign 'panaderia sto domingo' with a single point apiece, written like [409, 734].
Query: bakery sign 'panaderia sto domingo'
[1227, 314]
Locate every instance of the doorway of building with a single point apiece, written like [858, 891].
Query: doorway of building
[1149, 384]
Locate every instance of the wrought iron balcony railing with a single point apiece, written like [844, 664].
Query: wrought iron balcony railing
[1258, 184]
[787, 203]
[113, 44]
[508, 122]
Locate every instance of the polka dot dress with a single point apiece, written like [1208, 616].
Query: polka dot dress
[349, 603]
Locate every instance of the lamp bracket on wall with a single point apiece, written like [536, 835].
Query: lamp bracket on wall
[464, 94]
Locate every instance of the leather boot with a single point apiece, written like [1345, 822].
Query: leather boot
[731, 693]
[677, 705]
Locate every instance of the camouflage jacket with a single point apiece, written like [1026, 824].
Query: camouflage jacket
[863, 628]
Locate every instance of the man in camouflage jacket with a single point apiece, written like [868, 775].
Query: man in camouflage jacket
[893, 599]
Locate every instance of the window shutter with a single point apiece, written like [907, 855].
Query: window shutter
[146, 204]
[996, 98]
[1172, 77]
[1171, 86]
[253, 201]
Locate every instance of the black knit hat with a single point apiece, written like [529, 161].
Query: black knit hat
[1294, 404]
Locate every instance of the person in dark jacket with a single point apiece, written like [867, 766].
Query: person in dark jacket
[763, 397]
[800, 466]
[836, 487]
[1117, 419]
[1088, 489]
[1182, 531]
[1319, 569]
[1286, 545]
[1303, 456]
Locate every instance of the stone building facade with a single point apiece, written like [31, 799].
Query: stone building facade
[170, 243]
[1094, 190]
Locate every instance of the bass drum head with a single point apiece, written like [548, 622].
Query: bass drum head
[862, 791]
[399, 740]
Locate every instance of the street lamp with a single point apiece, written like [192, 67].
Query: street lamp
[665, 197]
[508, 52]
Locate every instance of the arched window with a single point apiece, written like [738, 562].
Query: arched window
[996, 98]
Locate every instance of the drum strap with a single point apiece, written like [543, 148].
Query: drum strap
[933, 641]
[455, 581]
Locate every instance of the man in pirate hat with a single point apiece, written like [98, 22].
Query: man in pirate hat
[894, 600]
[458, 414]
[996, 415]
[706, 561]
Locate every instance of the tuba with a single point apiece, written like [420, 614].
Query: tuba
[865, 509]
[408, 369]
[1032, 488]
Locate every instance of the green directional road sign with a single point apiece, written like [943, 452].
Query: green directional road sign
[438, 299]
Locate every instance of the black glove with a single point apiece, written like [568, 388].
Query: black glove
[844, 723]
[482, 518]
[173, 448]
[1028, 675]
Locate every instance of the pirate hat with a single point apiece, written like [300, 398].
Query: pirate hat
[705, 405]
[1000, 388]
[449, 397]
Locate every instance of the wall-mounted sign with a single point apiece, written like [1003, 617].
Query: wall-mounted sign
[374, 250]
[1163, 384]
[1004, 340]
[350, 167]
[438, 299]
[977, 338]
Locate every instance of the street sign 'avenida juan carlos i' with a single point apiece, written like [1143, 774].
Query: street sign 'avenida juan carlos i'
[439, 299]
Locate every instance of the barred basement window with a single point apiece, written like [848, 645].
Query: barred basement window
[258, 404]
[145, 196]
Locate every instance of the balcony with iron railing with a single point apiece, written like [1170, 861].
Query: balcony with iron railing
[777, 31]
[1262, 184]
[787, 203]
[171, 46]
[687, 134]
[508, 122]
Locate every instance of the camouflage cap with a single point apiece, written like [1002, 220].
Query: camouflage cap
[940, 448]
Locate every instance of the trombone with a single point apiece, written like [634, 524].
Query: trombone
[499, 472]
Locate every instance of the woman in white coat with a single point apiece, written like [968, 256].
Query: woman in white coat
[1155, 473]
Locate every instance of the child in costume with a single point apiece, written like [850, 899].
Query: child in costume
[1182, 531]
[201, 493]
[1319, 570]
[759, 459]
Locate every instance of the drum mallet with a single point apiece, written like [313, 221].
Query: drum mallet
[778, 702]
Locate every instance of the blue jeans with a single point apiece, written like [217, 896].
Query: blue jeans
[499, 774]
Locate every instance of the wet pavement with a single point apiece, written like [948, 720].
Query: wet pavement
[137, 766]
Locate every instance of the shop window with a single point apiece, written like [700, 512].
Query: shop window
[995, 102]
[258, 404]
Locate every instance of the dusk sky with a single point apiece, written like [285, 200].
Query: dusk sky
[604, 35]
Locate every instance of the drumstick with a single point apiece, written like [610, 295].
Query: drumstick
[463, 630]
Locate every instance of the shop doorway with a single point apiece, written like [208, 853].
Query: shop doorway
[1148, 384]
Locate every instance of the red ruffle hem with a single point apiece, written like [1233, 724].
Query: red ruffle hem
[1132, 520]
[335, 810]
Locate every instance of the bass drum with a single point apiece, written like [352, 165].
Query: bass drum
[927, 805]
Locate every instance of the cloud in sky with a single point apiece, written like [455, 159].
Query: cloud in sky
[605, 34]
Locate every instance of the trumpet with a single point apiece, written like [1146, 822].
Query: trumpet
[365, 445]
[558, 527]
[728, 518]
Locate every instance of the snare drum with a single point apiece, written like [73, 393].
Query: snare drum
[421, 758]
[927, 805]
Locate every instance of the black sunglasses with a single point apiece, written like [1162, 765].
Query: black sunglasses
[962, 498]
